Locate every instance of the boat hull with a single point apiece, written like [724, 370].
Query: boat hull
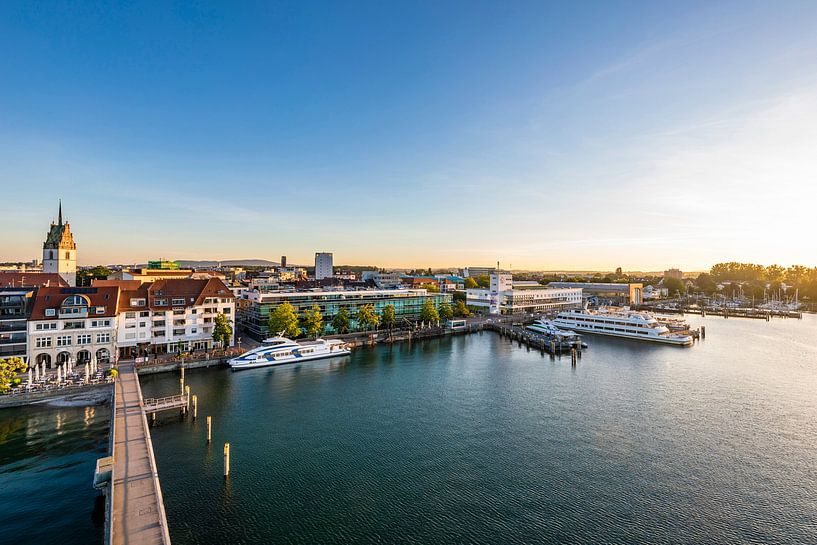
[239, 365]
[636, 337]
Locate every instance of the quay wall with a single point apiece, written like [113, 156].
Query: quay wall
[91, 394]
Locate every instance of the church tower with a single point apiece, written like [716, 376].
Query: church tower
[60, 251]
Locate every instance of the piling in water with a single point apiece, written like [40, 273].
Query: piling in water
[226, 460]
[209, 428]
[195, 406]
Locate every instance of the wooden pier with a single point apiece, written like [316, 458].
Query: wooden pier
[154, 405]
[137, 509]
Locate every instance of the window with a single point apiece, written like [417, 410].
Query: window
[137, 302]
[130, 335]
[74, 325]
[50, 312]
[67, 255]
[178, 313]
[84, 339]
[64, 340]
[193, 330]
[177, 332]
[193, 311]
[160, 302]
[100, 310]
[226, 310]
[177, 301]
[42, 342]
[130, 315]
[103, 337]
[143, 324]
[130, 326]
[49, 325]
[159, 323]
[100, 323]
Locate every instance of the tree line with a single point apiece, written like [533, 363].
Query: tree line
[284, 319]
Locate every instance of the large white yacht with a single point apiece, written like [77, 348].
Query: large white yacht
[280, 350]
[621, 322]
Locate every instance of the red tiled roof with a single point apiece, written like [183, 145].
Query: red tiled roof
[106, 297]
[193, 291]
[31, 279]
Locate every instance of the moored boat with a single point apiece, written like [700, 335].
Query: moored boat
[621, 322]
[281, 350]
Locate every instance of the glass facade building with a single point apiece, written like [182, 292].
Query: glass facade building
[15, 306]
[407, 305]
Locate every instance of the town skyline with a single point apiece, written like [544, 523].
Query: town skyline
[543, 136]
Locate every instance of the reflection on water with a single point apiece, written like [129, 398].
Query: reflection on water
[478, 440]
[47, 460]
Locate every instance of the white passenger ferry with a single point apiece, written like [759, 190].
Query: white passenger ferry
[280, 350]
[621, 322]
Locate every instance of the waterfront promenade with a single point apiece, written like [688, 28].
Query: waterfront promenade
[137, 510]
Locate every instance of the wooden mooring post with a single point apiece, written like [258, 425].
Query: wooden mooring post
[181, 380]
[573, 357]
[187, 393]
[195, 406]
[209, 428]
[226, 460]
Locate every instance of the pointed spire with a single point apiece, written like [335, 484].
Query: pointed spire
[60, 216]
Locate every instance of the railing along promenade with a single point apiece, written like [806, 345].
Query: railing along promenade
[137, 509]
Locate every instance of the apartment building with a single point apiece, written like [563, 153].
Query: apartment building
[170, 316]
[72, 325]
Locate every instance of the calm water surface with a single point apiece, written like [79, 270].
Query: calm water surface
[47, 461]
[465, 440]
[476, 440]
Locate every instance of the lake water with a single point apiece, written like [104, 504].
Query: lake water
[477, 440]
[47, 461]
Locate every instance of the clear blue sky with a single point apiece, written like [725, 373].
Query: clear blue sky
[542, 134]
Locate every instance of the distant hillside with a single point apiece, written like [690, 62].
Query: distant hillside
[228, 263]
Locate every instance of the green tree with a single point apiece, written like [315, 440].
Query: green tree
[283, 320]
[445, 311]
[483, 281]
[340, 323]
[471, 283]
[387, 317]
[85, 276]
[673, 286]
[432, 287]
[429, 312]
[222, 330]
[461, 310]
[367, 317]
[313, 321]
[9, 369]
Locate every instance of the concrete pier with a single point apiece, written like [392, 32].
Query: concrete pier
[137, 508]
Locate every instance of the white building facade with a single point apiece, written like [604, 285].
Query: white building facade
[72, 325]
[323, 265]
[172, 316]
[502, 298]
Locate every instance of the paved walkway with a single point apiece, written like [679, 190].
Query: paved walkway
[138, 516]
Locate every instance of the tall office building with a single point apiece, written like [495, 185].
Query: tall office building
[283, 261]
[323, 265]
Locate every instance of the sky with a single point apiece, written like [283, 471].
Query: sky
[543, 135]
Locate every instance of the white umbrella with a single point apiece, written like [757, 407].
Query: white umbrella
[30, 372]
[36, 372]
[59, 373]
[87, 374]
